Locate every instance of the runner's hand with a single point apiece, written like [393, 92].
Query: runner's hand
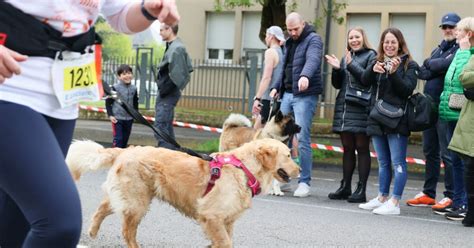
[9, 63]
[165, 10]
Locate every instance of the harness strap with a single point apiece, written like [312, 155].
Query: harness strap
[216, 167]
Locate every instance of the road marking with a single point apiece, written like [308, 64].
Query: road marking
[354, 211]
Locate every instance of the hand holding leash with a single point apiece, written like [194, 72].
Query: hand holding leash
[257, 107]
[164, 10]
[9, 63]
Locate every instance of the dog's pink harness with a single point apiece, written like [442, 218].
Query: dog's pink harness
[216, 166]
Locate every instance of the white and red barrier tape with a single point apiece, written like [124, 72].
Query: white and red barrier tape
[219, 130]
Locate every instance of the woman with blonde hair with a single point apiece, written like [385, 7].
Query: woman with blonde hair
[460, 79]
[350, 117]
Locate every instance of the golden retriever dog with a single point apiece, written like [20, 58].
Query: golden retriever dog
[237, 130]
[139, 174]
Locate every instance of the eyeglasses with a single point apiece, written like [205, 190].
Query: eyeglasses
[444, 27]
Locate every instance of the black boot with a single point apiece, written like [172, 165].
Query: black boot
[342, 192]
[359, 194]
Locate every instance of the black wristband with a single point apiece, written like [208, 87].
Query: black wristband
[145, 12]
[257, 99]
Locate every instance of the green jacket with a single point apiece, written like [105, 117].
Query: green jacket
[463, 137]
[452, 84]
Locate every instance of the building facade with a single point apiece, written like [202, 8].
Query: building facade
[230, 35]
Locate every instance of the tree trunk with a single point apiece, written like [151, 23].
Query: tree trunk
[273, 14]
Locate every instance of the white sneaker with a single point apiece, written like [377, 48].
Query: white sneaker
[372, 204]
[388, 208]
[302, 190]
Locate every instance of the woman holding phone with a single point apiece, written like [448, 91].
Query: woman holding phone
[350, 118]
[393, 76]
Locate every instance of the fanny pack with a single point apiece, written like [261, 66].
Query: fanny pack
[27, 35]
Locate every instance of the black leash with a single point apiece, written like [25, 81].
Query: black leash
[139, 117]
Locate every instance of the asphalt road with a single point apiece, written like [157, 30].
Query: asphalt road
[286, 221]
[274, 221]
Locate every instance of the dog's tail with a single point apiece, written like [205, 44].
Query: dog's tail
[236, 120]
[87, 155]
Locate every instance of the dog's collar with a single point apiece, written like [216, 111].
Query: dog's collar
[279, 138]
[215, 167]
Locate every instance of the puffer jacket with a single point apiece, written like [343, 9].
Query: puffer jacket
[395, 89]
[452, 85]
[435, 67]
[463, 137]
[306, 63]
[350, 117]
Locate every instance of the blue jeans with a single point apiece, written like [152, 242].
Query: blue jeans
[459, 196]
[164, 121]
[435, 149]
[391, 152]
[121, 132]
[303, 108]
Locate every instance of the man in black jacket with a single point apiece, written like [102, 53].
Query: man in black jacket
[433, 71]
[173, 76]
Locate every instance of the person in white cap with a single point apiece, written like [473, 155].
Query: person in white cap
[273, 66]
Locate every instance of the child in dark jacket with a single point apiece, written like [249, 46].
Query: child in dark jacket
[121, 121]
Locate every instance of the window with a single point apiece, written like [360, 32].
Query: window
[251, 43]
[220, 36]
[371, 25]
[413, 29]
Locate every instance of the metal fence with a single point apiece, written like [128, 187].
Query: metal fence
[214, 85]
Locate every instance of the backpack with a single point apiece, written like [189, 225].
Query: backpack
[421, 112]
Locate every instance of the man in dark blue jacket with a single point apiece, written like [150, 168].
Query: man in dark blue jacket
[434, 144]
[299, 86]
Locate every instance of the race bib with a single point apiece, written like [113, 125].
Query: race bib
[76, 77]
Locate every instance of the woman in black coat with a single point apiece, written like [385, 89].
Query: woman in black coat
[350, 118]
[394, 76]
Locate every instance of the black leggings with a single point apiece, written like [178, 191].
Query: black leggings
[39, 202]
[351, 143]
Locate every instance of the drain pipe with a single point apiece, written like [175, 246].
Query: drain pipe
[325, 65]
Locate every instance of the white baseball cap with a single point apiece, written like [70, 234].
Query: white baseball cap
[277, 32]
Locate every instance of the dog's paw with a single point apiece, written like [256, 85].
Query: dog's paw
[275, 191]
[92, 233]
[278, 192]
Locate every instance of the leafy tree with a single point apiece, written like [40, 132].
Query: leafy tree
[274, 11]
[114, 44]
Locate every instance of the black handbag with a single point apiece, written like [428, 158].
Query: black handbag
[469, 94]
[385, 113]
[422, 112]
[356, 95]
